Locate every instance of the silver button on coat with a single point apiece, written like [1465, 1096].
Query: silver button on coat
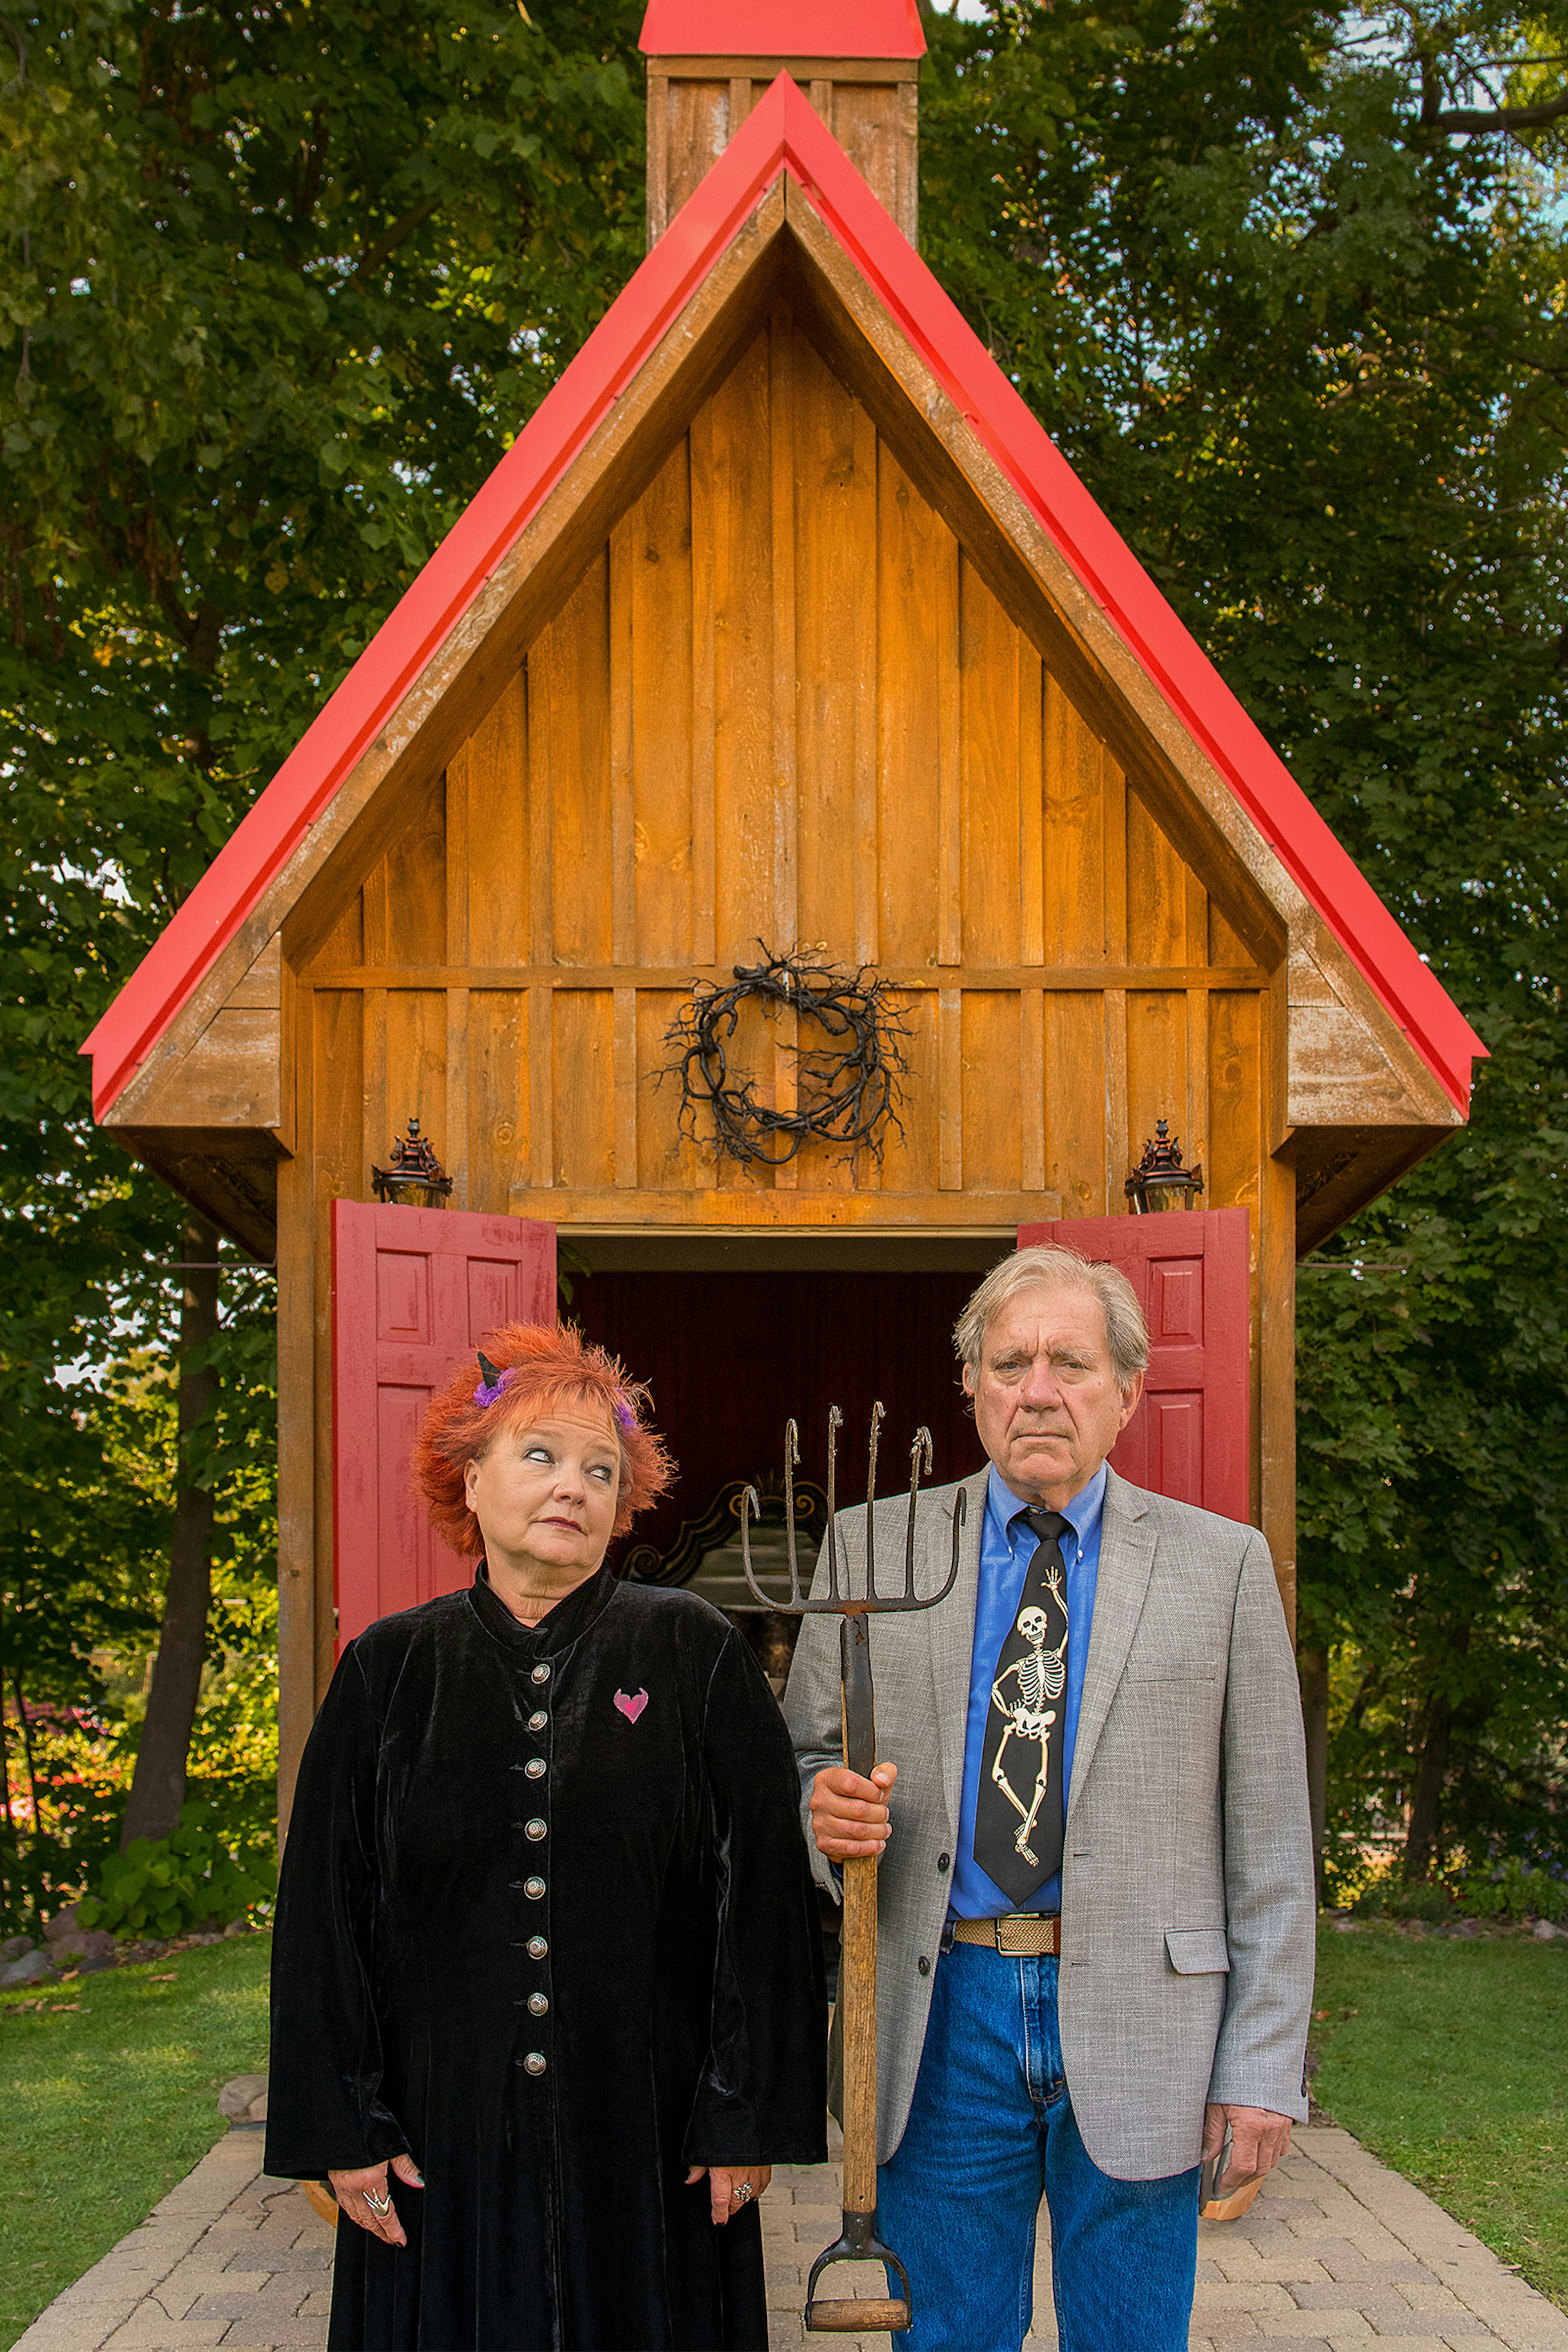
[537, 2004]
[534, 2062]
[537, 1948]
[542, 1673]
[534, 1829]
[534, 1768]
[533, 1887]
[538, 1719]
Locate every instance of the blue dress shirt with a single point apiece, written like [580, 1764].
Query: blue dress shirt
[1007, 1545]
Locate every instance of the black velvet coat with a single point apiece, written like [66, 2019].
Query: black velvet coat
[545, 1921]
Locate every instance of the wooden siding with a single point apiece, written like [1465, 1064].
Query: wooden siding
[781, 700]
[696, 105]
[782, 703]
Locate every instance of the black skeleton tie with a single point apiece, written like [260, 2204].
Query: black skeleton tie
[1018, 1815]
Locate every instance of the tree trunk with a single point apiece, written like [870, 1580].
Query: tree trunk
[27, 1730]
[1426, 1805]
[9, 1831]
[158, 1787]
[1313, 1668]
[13, 1873]
[34, 1871]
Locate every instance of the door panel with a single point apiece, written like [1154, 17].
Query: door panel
[414, 1291]
[1191, 1269]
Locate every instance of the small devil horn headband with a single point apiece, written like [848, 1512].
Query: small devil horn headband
[493, 1380]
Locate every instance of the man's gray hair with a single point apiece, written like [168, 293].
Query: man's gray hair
[1052, 1266]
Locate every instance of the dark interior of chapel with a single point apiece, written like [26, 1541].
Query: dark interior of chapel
[731, 1357]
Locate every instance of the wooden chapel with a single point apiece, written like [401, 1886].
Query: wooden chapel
[783, 620]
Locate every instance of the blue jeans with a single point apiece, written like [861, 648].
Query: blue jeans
[991, 2128]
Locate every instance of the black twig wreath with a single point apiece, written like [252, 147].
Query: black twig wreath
[847, 1089]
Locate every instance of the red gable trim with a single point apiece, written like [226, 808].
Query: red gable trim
[781, 133]
[782, 28]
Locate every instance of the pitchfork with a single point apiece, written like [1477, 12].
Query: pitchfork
[858, 1964]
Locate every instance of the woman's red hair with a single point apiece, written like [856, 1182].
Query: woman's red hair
[546, 1366]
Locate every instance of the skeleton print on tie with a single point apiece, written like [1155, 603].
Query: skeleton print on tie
[1019, 1811]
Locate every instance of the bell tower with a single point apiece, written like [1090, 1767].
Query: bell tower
[708, 62]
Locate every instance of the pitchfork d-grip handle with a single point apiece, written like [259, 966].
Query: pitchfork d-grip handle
[857, 2011]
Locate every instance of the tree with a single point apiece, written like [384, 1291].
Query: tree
[158, 1785]
[281, 284]
[1289, 285]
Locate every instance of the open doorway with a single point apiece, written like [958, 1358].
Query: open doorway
[736, 1335]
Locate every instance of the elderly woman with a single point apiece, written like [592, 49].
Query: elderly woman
[547, 1995]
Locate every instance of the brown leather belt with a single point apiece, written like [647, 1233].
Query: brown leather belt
[1021, 1935]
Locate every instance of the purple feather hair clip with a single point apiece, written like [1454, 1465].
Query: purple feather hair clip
[491, 1381]
[625, 1414]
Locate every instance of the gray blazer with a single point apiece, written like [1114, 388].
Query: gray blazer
[1188, 1907]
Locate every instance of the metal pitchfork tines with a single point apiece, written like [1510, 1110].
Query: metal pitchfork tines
[857, 1961]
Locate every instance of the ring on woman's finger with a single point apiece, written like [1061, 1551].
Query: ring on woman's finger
[378, 2205]
[742, 2196]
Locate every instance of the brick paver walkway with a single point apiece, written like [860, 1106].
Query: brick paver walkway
[1336, 2253]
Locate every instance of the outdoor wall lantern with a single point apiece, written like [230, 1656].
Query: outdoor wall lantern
[1160, 1181]
[416, 1174]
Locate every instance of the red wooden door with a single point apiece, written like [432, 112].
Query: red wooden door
[1190, 1270]
[414, 1291]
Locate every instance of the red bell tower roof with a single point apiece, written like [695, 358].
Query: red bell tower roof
[782, 28]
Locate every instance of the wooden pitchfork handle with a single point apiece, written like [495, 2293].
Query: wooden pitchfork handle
[858, 2010]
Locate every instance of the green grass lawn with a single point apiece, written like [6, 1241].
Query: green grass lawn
[1450, 2062]
[106, 2102]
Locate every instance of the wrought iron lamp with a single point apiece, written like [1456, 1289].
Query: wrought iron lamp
[416, 1174]
[1160, 1181]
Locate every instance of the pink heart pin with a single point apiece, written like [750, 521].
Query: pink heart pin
[631, 1707]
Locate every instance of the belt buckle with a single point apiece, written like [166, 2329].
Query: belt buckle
[1007, 1928]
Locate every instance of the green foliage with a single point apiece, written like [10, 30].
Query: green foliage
[289, 283]
[1508, 1890]
[571, 1267]
[163, 1887]
[278, 289]
[1514, 1891]
[1387, 1898]
[1309, 346]
[77, 1630]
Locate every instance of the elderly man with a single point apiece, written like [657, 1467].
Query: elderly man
[1096, 1891]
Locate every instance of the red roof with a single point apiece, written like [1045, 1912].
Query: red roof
[781, 135]
[782, 28]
